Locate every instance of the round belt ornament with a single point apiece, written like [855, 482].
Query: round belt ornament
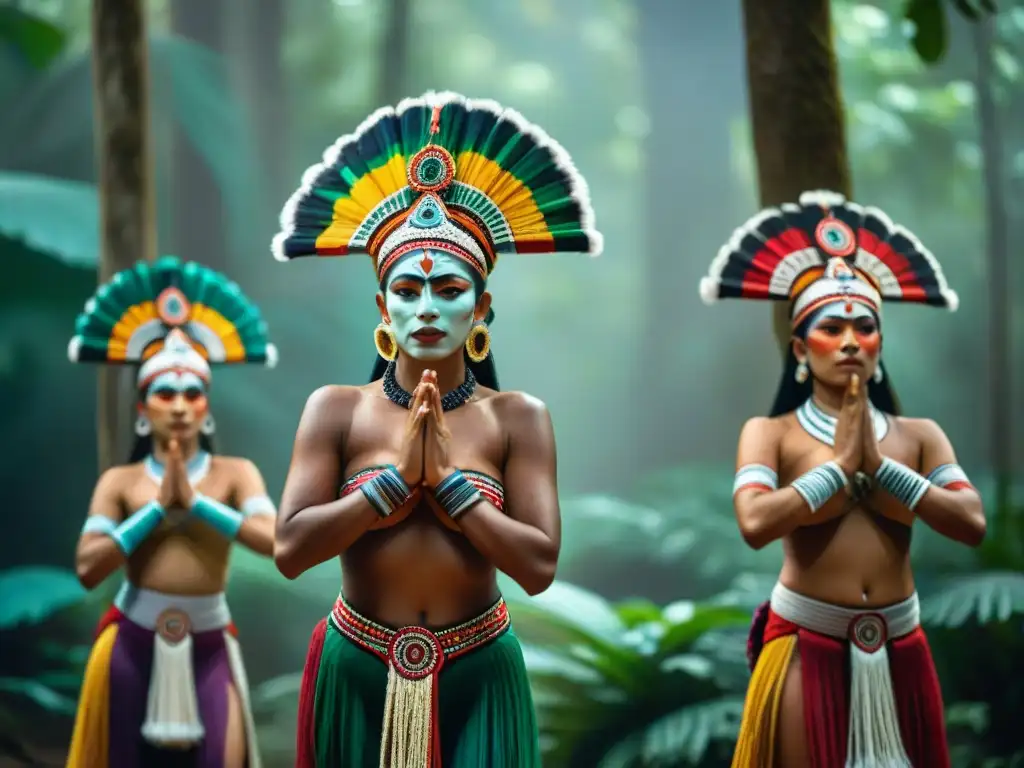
[868, 632]
[173, 625]
[415, 653]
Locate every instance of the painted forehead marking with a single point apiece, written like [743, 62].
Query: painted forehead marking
[177, 380]
[426, 265]
[842, 310]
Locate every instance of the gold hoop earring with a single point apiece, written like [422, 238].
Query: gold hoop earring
[801, 373]
[478, 343]
[385, 342]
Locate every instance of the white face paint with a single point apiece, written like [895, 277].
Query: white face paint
[841, 310]
[430, 297]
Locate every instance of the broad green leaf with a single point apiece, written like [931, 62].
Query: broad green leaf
[930, 34]
[51, 215]
[39, 41]
[30, 594]
[985, 597]
[51, 131]
[45, 697]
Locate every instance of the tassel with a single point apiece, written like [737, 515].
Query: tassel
[172, 713]
[874, 740]
[408, 722]
[409, 738]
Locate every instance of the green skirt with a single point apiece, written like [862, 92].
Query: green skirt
[484, 709]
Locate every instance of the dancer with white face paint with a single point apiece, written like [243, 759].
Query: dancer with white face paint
[165, 679]
[842, 673]
[429, 479]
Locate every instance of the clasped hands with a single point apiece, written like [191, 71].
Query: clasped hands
[176, 492]
[856, 445]
[424, 455]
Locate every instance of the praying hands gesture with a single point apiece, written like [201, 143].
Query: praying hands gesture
[176, 491]
[850, 436]
[424, 457]
[437, 437]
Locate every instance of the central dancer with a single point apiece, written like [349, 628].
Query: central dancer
[427, 480]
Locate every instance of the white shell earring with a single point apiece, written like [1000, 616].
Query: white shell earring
[879, 374]
[209, 425]
[801, 372]
[142, 426]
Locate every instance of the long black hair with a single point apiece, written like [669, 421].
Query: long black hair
[792, 394]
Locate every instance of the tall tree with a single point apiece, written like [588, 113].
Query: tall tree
[796, 108]
[125, 172]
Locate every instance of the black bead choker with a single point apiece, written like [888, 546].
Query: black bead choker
[449, 401]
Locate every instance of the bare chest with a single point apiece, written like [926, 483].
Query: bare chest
[477, 439]
[142, 488]
[800, 452]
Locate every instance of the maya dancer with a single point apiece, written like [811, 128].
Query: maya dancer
[427, 479]
[842, 675]
[165, 673]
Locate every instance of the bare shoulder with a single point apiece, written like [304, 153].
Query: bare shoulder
[518, 407]
[332, 405]
[121, 476]
[924, 431]
[767, 428]
[232, 465]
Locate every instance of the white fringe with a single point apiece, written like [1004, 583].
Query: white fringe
[172, 712]
[242, 686]
[874, 740]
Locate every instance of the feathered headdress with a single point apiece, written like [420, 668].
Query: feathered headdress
[468, 177]
[170, 314]
[824, 250]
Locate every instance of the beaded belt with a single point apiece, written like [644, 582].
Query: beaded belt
[415, 655]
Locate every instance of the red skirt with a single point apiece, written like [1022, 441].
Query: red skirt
[825, 669]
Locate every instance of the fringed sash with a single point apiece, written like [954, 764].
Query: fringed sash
[415, 656]
[874, 735]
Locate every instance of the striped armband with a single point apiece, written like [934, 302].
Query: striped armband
[386, 491]
[258, 505]
[222, 518]
[136, 529]
[99, 524]
[456, 494]
[820, 484]
[901, 482]
[755, 476]
[949, 476]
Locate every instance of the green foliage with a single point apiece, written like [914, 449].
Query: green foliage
[931, 36]
[36, 39]
[632, 684]
[31, 595]
[56, 217]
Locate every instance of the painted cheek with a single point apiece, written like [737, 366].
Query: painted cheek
[823, 343]
[870, 343]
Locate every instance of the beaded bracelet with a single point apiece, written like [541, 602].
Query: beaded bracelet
[902, 483]
[456, 494]
[386, 491]
[820, 484]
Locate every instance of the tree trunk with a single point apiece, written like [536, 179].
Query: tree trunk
[196, 198]
[796, 108]
[1000, 371]
[394, 53]
[125, 173]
